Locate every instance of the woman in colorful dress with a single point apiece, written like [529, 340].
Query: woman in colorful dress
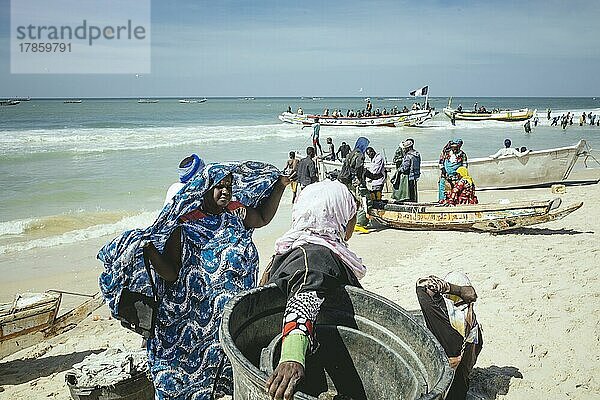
[201, 251]
[452, 157]
[463, 190]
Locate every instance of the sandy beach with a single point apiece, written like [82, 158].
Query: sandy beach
[539, 298]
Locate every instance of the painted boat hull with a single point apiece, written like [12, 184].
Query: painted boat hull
[411, 118]
[537, 167]
[505, 115]
[22, 327]
[477, 217]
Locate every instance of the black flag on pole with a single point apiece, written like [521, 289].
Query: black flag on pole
[420, 92]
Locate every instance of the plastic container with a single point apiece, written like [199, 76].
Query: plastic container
[370, 348]
[138, 387]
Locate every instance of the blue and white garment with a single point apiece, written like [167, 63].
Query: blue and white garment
[219, 260]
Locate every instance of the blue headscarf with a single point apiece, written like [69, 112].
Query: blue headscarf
[361, 144]
[219, 260]
[189, 170]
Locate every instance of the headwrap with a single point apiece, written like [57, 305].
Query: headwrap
[320, 216]
[361, 144]
[189, 170]
[457, 141]
[464, 174]
[218, 260]
[408, 143]
[507, 142]
[457, 315]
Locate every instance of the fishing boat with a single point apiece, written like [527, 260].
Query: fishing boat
[410, 118]
[9, 102]
[192, 101]
[147, 101]
[471, 217]
[34, 317]
[494, 115]
[535, 168]
[73, 101]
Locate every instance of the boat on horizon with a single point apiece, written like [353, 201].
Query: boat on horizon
[192, 101]
[73, 101]
[410, 118]
[460, 114]
[468, 217]
[535, 168]
[147, 101]
[10, 102]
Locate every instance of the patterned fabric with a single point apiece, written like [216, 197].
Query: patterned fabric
[300, 314]
[219, 260]
[434, 284]
[462, 192]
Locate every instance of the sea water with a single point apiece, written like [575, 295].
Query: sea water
[71, 172]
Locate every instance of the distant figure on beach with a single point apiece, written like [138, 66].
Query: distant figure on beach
[376, 176]
[453, 119]
[535, 121]
[527, 126]
[475, 107]
[507, 150]
[300, 111]
[312, 262]
[462, 191]
[554, 121]
[411, 167]
[291, 170]
[315, 135]
[448, 309]
[206, 257]
[289, 109]
[343, 151]
[307, 170]
[451, 158]
[548, 112]
[369, 106]
[330, 155]
[582, 119]
[352, 175]
[188, 167]
[459, 108]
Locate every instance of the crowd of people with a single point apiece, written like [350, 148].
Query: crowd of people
[199, 253]
[567, 119]
[367, 111]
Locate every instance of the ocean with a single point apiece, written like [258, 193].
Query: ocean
[72, 172]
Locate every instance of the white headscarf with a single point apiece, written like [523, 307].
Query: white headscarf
[320, 216]
[458, 314]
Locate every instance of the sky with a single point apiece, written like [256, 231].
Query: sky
[336, 48]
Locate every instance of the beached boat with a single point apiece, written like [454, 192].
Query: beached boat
[494, 115]
[147, 101]
[33, 317]
[192, 101]
[475, 217]
[535, 168]
[411, 118]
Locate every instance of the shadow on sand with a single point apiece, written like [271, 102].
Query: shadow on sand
[21, 371]
[488, 383]
[542, 231]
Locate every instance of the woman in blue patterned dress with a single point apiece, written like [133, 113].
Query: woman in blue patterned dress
[202, 254]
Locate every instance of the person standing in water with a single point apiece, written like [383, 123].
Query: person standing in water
[291, 170]
[315, 135]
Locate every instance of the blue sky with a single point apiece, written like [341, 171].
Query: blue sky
[312, 48]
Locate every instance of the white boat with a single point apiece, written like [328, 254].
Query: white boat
[147, 101]
[535, 168]
[411, 118]
[73, 101]
[191, 101]
[494, 115]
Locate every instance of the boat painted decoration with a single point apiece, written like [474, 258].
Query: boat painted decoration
[475, 217]
[411, 118]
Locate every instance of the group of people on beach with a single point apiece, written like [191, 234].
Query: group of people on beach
[567, 119]
[199, 253]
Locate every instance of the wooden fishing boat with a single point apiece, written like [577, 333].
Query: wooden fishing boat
[33, 317]
[535, 168]
[475, 217]
[411, 118]
[494, 115]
